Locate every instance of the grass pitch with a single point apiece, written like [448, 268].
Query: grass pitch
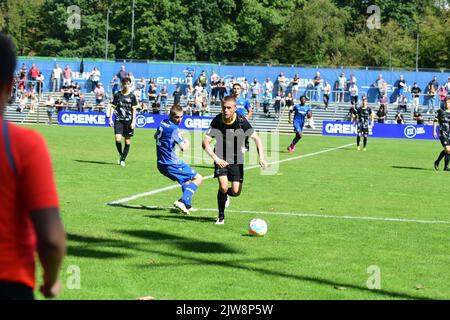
[320, 244]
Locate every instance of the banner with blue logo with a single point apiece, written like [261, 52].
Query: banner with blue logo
[143, 121]
[380, 130]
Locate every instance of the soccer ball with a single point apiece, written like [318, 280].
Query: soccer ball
[257, 227]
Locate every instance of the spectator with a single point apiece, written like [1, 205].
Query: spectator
[401, 87]
[67, 75]
[326, 94]
[214, 77]
[23, 101]
[221, 89]
[341, 85]
[40, 84]
[402, 104]
[198, 87]
[399, 118]
[447, 85]
[59, 105]
[268, 85]
[316, 81]
[289, 100]
[24, 69]
[141, 90]
[76, 89]
[133, 81]
[203, 79]
[381, 114]
[67, 92]
[419, 118]
[281, 83]
[81, 103]
[384, 101]
[99, 97]
[177, 96]
[442, 96]
[267, 101]
[245, 88]
[151, 94]
[189, 79]
[115, 84]
[352, 79]
[195, 111]
[295, 86]
[33, 103]
[50, 105]
[354, 92]
[255, 89]
[213, 86]
[56, 78]
[34, 72]
[415, 93]
[381, 85]
[432, 89]
[279, 98]
[122, 73]
[163, 94]
[156, 108]
[199, 99]
[94, 76]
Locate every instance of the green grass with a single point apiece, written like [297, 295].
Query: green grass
[126, 253]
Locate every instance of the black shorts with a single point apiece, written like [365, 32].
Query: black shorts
[363, 128]
[445, 139]
[234, 172]
[15, 291]
[123, 127]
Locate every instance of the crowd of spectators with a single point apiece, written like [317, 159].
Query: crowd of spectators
[196, 93]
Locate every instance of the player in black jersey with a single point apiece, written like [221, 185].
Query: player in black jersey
[124, 107]
[230, 129]
[443, 119]
[364, 117]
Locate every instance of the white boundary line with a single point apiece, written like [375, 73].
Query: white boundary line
[149, 193]
[295, 214]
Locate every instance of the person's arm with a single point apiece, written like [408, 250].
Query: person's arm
[206, 144]
[259, 148]
[51, 247]
[183, 143]
[434, 129]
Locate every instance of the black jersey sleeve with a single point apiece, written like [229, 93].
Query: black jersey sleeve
[134, 103]
[438, 115]
[214, 127]
[247, 127]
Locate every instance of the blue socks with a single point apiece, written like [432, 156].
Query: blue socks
[188, 193]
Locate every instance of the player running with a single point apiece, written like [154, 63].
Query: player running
[365, 118]
[167, 137]
[443, 119]
[229, 129]
[301, 112]
[124, 105]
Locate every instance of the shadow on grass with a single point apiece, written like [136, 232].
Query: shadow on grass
[182, 243]
[412, 168]
[95, 162]
[93, 248]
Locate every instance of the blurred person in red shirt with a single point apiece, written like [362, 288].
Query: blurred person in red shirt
[29, 210]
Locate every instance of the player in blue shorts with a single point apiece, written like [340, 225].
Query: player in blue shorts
[243, 108]
[301, 112]
[167, 137]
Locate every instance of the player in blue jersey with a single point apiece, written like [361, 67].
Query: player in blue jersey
[243, 108]
[167, 137]
[301, 112]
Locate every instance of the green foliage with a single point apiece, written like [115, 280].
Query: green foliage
[319, 32]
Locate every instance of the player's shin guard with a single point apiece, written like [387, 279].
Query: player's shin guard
[221, 199]
[365, 141]
[447, 160]
[119, 148]
[358, 140]
[125, 152]
[189, 193]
